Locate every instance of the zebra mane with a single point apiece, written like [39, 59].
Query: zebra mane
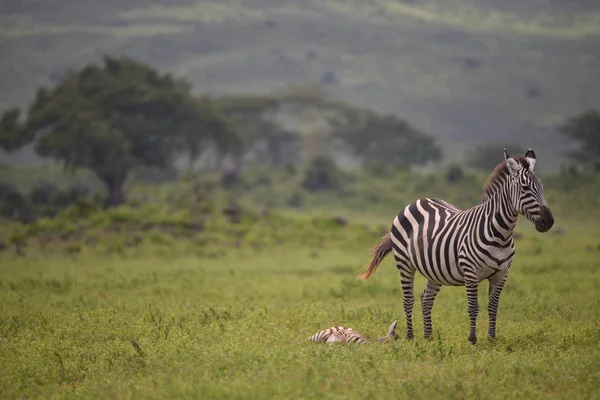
[499, 175]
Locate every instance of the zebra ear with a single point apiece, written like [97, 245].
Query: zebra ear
[513, 166]
[506, 156]
[530, 157]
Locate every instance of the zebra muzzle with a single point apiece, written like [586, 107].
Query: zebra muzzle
[545, 221]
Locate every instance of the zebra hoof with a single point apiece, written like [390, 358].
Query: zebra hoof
[473, 340]
[428, 337]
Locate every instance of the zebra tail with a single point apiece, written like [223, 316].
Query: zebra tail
[379, 251]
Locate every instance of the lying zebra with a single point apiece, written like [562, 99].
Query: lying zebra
[349, 335]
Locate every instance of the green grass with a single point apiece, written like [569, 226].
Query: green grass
[163, 320]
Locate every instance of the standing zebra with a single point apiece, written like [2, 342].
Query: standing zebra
[462, 248]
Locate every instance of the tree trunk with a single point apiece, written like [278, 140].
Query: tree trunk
[114, 183]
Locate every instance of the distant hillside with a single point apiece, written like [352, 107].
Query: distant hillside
[467, 71]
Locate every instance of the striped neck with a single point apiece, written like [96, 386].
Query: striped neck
[500, 207]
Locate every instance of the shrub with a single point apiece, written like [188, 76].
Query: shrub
[231, 178]
[43, 193]
[321, 174]
[454, 173]
[296, 199]
[81, 209]
[12, 203]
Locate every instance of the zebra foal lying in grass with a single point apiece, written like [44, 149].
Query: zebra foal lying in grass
[349, 335]
[453, 247]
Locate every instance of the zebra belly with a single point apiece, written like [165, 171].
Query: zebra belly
[486, 272]
[435, 261]
[443, 272]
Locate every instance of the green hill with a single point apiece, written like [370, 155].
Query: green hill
[469, 72]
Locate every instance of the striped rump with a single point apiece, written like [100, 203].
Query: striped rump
[338, 334]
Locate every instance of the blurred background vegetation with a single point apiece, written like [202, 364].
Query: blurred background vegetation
[297, 105]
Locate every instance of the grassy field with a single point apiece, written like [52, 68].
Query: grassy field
[174, 316]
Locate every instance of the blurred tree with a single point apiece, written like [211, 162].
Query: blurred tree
[114, 117]
[13, 204]
[383, 139]
[321, 174]
[485, 157]
[454, 173]
[270, 143]
[12, 134]
[584, 129]
[322, 126]
[217, 134]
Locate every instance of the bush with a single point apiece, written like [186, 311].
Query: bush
[12, 203]
[231, 178]
[81, 209]
[321, 174]
[454, 173]
[77, 191]
[43, 193]
[64, 198]
[296, 199]
[262, 179]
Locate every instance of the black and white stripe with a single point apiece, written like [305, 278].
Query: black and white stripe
[349, 335]
[451, 247]
[338, 334]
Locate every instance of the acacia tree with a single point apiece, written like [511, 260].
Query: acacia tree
[267, 140]
[584, 129]
[117, 116]
[383, 139]
[377, 139]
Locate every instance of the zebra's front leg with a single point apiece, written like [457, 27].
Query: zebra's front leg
[407, 278]
[427, 299]
[496, 285]
[473, 307]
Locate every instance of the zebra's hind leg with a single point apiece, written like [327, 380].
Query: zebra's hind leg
[407, 279]
[427, 299]
[496, 285]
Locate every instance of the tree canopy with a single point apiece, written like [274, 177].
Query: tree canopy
[116, 116]
[370, 137]
[384, 139]
[584, 130]
[268, 141]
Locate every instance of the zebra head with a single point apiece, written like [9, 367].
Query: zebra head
[528, 191]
